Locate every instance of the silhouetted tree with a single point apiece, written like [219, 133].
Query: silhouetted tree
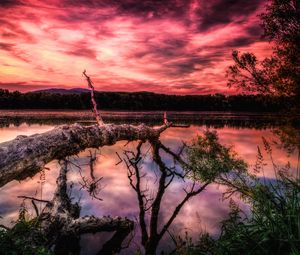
[280, 73]
[202, 162]
[143, 101]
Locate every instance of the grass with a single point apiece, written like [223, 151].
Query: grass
[24, 238]
[272, 227]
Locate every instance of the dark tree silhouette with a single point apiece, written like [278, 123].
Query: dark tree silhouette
[216, 162]
[280, 73]
[143, 101]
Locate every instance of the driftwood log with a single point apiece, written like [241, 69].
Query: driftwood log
[26, 155]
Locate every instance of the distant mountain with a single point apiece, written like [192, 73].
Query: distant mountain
[81, 90]
[63, 91]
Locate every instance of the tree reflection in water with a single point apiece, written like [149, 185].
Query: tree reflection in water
[172, 166]
[216, 160]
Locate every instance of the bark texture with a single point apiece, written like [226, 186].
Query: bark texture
[94, 103]
[26, 155]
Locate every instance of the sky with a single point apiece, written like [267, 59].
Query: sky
[163, 46]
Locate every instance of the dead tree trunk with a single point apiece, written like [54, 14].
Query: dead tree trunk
[26, 155]
[95, 110]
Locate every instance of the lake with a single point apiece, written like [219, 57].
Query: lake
[243, 131]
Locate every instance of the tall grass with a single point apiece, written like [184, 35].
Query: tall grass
[273, 225]
[24, 238]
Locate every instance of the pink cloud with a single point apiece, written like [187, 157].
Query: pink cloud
[167, 47]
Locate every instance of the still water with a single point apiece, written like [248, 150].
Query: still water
[202, 213]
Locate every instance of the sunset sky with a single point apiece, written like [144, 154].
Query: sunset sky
[163, 46]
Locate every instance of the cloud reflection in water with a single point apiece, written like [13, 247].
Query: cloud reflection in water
[202, 212]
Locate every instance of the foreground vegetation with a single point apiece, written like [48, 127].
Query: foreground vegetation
[15, 241]
[271, 227]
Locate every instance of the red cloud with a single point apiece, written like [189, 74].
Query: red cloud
[181, 48]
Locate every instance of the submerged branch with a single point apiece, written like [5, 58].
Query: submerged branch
[91, 224]
[34, 199]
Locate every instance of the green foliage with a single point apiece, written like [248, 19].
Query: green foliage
[185, 246]
[24, 238]
[16, 241]
[273, 224]
[281, 23]
[289, 137]
[272, 228]
[208, 159]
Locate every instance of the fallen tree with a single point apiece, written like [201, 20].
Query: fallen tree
[26, 155]
[60, 222]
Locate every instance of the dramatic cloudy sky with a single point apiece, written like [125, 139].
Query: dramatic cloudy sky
[165, 46]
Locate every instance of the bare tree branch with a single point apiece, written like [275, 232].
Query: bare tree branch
[95, 110]
[137, 188]
[190, 194]
[151, 236]
[35, 199]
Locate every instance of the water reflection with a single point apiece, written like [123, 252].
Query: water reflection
[211, 119]
[119, 199]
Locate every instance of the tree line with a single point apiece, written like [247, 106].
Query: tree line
[145, 101]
